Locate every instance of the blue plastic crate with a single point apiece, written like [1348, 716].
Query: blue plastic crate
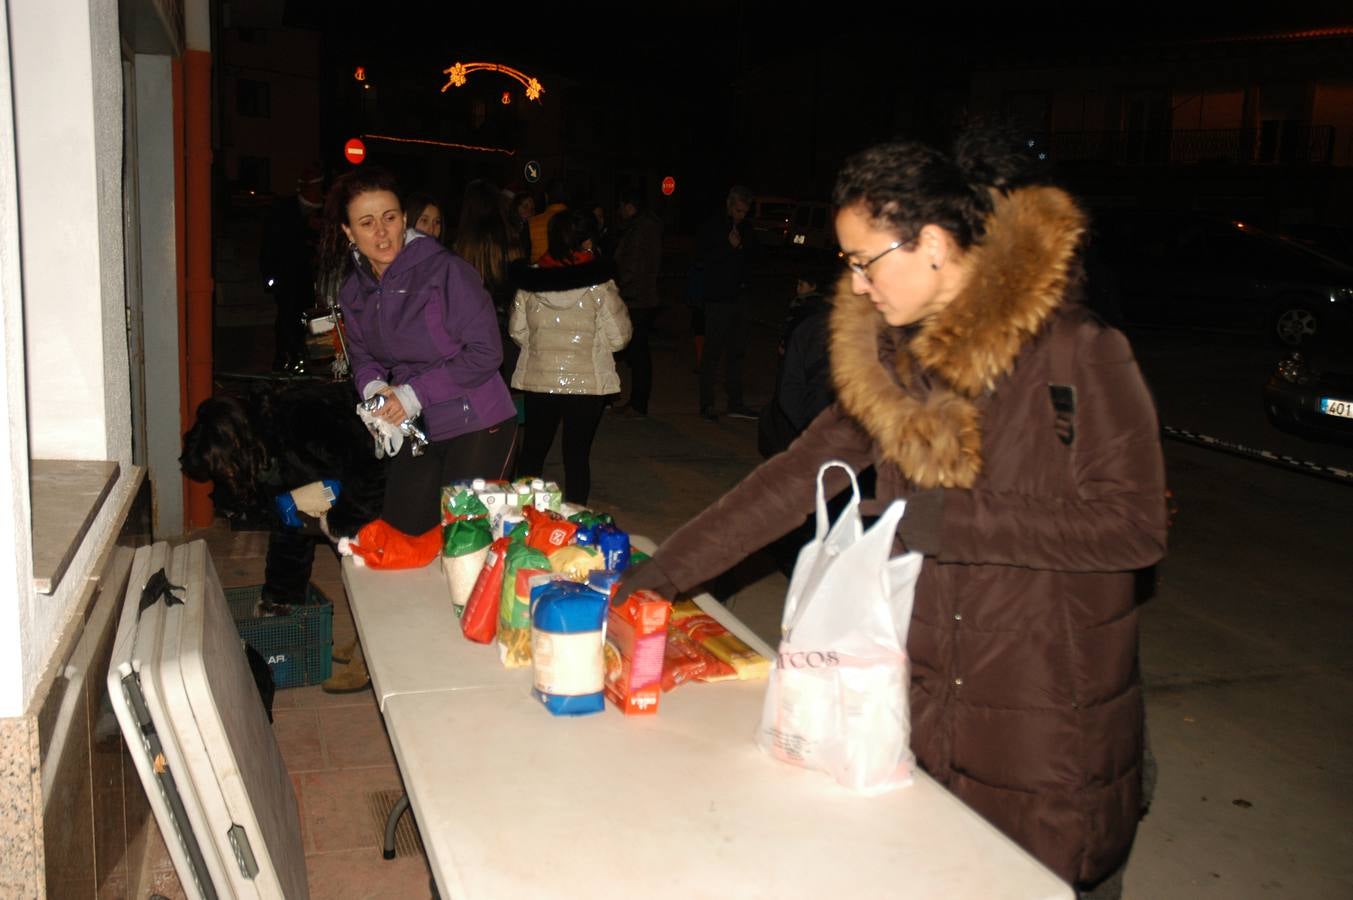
[298, 647]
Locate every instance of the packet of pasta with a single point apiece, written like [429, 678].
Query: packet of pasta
[728, 647]
[480, 621]
[514, 608]
[684, 660]
[575, 562]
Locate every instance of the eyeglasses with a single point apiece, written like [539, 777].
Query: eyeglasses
[862, 269]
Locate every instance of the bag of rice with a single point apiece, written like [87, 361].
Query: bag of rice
[566, 647]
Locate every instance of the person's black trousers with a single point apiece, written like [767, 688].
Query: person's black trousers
[724, 339]
[640, 358]
[413, 485]
[580, 415]
[286, 570]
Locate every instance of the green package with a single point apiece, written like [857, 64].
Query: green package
[466, 527]
[590, 519]
[512, 614]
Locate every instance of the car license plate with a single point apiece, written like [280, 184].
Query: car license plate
[1331, 406]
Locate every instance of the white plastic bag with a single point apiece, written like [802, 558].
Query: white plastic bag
[837, 699]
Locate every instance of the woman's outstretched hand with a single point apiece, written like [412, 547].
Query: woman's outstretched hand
[644, 576]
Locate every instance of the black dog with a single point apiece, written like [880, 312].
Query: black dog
[254, 448]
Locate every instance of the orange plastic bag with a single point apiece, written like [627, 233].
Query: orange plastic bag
[380, 545]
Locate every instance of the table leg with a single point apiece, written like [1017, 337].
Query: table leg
[400, 808]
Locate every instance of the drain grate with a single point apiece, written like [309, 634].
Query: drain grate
[407, 841]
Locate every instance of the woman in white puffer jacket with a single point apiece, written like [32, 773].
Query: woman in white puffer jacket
[569, 319]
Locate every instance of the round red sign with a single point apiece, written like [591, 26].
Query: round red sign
[668, 186]
[354, 151]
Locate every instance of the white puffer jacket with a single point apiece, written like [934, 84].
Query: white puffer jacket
[568, 321]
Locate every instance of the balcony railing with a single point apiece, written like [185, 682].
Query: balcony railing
[1277, 143]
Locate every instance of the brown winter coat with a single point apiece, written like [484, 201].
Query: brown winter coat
[1026, 700]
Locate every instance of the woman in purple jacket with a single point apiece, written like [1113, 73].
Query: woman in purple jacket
[421, 330]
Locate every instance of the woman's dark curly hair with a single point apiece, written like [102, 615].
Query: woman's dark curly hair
[335, 260]
[224, 449]
[906, 185]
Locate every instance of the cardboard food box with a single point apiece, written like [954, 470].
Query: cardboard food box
[636, 641]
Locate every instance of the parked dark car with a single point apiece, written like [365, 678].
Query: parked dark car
[1199, 271]
[1304, 398]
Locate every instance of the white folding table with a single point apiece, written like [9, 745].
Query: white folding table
[514, 802]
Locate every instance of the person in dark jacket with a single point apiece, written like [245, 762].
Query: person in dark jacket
[255, 449]
[422, 332]
[962, 310]
[287, 265]
[721, 253]
[803, 389]
[803, 385]
[638, 257]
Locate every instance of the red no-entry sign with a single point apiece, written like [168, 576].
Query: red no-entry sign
[354, 151]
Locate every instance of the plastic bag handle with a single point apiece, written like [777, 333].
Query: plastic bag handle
[822, 521]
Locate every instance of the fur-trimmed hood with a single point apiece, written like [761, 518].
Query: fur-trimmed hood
[916, 390]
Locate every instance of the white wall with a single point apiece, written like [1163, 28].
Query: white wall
[67, 89]
[68, 105]
[16, 564]
[159, 288]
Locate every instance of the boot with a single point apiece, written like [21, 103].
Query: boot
[353, 678]
[343, 654]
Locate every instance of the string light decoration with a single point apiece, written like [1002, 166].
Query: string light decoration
[458, 73]
[450, 145]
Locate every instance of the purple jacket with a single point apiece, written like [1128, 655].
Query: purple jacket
[429, 323]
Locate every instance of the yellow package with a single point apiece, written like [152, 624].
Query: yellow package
[574, 562]
[705, 630]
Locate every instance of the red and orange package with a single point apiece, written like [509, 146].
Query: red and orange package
[636, 640]
[547, 531]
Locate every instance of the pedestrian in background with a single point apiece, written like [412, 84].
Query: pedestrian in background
[722, 247]
[569, 320]
[539, 224]
[287, 264]
[638, 258]
[484, 240]
[424, 214]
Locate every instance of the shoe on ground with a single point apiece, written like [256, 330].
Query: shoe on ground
[629, 412]
[353, 677]
[709, 415]
[742, 412]
[343, 653]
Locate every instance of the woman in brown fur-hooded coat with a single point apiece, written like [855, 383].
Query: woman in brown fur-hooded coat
[960, 312]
